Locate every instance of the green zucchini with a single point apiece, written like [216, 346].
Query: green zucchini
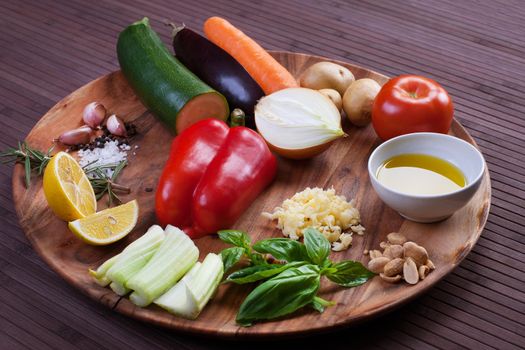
[165, 86]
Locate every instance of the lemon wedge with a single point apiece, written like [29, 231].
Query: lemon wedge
[107, 226]
[67, 188]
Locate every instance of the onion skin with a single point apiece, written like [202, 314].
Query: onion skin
[116, 126]
[298, 123]
[76, 136]
[94, 114]
[303, 153]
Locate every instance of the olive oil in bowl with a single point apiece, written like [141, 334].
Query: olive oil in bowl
[420, 174]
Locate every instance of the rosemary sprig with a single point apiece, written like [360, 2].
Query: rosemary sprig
[33, 160]
[103, 184]
[36, 161]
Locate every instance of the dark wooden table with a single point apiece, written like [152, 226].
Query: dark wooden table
[474, 48]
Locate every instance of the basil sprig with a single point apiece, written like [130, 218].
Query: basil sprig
[349, 273]
[291, 285]
[317, 246]
[260, 272]
[280, 295]
[231, 256]
[242, 247]
[282, 249]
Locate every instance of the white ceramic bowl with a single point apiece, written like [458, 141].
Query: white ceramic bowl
[429, 208]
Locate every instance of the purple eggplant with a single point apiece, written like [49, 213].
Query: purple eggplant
[218, 69]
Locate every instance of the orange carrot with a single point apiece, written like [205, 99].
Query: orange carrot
[263, 68]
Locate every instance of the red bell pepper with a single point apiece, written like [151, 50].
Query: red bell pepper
[212, 176]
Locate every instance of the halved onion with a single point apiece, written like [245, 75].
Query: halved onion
[298, 123]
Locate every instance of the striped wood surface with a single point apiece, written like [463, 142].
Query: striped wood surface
[474, 48]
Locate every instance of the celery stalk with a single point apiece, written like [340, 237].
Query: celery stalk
[178, 300]
[189, 297]
[100, 274]
[134, 257]
[176, 255]
[119, 288]
[205, 282]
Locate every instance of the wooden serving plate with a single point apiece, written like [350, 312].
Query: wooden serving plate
[343, 166]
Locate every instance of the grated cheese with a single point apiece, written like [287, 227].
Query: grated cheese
[329, 213]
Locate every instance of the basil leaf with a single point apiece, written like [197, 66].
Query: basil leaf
[350, 273]
[282, 249]
[319, 304]
[259, 272]
[234, 237]
[231, 256]
[317, 246]
[257, 259]
[281, 295]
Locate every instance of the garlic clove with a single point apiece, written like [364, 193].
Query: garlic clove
[94, 114]
[76, 136]
[116, 126]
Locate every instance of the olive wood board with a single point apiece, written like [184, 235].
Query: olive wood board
[343, 166]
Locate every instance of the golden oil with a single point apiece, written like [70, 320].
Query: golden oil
[420, 174]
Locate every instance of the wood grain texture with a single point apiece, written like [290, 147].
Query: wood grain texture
[343, 166]
[474, 48]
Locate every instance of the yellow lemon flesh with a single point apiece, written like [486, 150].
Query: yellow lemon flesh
[107, 226]
[67, 189]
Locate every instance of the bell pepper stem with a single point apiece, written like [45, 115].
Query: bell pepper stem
[237, 118]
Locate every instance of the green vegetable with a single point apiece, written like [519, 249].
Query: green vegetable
[191, 294]
[119, 289]
[166, 87]
[100, 274]
[178, 299]
[102, 183]
[33, 159]
[317, 246]
[231, 256]
[205, 282]
[281, 295]
[282, 249]
[241, 240]
[287, 287]
[134, 257]
[235, 238]
[171, 261]
[258, 272]
[319, 304]
[349, 274]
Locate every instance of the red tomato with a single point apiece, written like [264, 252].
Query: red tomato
[410, 103]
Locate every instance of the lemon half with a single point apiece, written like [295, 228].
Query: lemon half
[67, 189]
[107, 226]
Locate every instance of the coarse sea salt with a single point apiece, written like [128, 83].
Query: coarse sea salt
[110, 154]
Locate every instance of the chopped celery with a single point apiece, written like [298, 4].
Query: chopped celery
[205, 282]
[119, 288]
[178, 299]
[134, 257]
[176, 255]
[100, 274]
[188, 297]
